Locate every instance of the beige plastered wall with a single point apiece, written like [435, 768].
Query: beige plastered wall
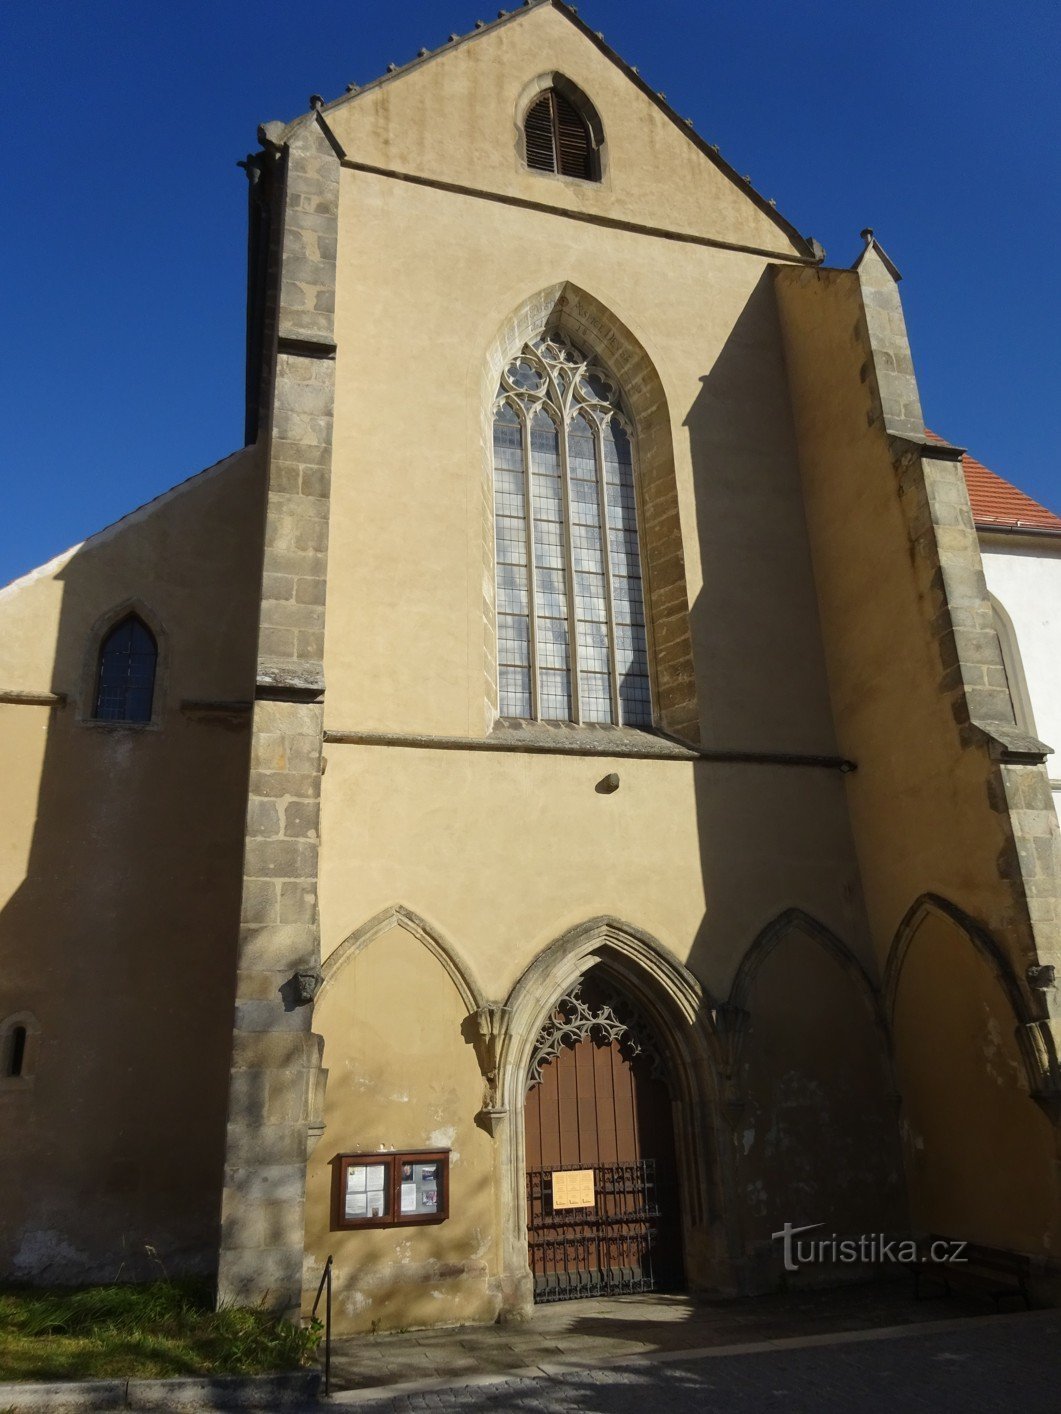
[981, 1155]
[119, 889]
[500, 854]
[917, 800]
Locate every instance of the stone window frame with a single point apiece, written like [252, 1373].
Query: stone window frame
[90, 670]
[592, 327]
[30, 1055]
[586, 110]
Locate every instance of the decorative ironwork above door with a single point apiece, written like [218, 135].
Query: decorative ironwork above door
[573, 1019]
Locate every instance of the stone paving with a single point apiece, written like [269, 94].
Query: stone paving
[1001, 1363]
[596, 1332]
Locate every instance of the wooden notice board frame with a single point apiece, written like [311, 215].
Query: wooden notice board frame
[400, 1168]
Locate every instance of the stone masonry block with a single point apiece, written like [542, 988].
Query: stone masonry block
[298, 507]
[965, 581]
[263, 818]
[290, 614]
[276, 643]
[273, 1051]
[305, 271]
[278, 587]
[312, 321]
[286, 1101]
[268, 751]
[260, 903]
[314, 429]
[988, 704]
[269, 1276]
[298, 563]
[301, 785]
[302, 819]
[255, 984]
[310, 645]
[958, 541]
[267, 1143]
[268, 1017]
[298, 902]
[300, 453]
[261, 1223]
[314, 398]
[280, 859]
[248, 1094]
[280, 947]
[315, 481]
[310, 591]
[283, 476]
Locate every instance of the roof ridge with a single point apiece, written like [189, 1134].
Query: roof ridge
[768, 206]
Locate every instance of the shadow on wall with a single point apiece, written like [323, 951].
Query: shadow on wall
[820, 1073]
[120, 937]
[810, 1112]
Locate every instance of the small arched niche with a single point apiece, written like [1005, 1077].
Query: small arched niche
[19, 1035]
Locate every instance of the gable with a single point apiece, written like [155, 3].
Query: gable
[455, 119]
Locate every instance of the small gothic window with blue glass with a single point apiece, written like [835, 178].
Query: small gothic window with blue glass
[125, 681]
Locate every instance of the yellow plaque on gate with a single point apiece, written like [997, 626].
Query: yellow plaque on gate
[573, 1189]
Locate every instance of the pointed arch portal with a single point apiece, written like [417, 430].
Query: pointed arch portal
[641, 998]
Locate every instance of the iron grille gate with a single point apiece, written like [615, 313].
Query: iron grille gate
[605, 1250]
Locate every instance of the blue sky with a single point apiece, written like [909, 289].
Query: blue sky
[123, 248]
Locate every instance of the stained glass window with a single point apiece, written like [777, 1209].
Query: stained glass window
[570, 608]
[125, 685]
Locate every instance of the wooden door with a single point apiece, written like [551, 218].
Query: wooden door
[598, 1104]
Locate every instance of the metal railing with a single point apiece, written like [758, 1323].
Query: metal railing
[325, 1289]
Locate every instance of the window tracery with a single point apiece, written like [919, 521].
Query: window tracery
[572, 643]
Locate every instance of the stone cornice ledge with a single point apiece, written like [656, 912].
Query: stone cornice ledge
[902, 440]
[567, 739]
[1010, 745]
[16, 697]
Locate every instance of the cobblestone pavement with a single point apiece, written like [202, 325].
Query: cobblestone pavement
[1000, 1363]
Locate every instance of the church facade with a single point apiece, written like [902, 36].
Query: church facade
[554, 807]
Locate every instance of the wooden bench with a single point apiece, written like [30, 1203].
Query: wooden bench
[982, 1271]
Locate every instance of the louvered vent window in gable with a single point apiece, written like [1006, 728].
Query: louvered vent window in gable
[557, 138]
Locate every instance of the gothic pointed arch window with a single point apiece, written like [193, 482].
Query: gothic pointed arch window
[125, 676]
[572, 643]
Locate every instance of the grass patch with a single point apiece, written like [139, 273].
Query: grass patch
[152, 1330]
